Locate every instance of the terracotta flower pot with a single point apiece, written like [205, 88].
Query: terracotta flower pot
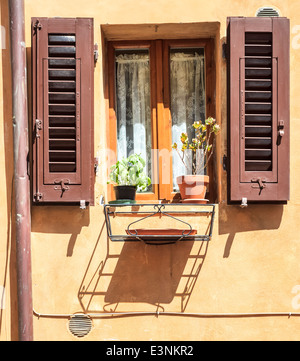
[193, 187]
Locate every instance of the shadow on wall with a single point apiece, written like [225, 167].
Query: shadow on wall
[126, 272]
[233, 219]
[142, 273]
[60, 219]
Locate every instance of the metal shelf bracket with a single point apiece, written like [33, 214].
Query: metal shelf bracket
[162, 235]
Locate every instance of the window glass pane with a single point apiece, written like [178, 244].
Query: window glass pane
[133, 105]
[187, 91]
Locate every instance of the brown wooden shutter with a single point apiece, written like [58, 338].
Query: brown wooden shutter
[258, 108]
[63, 80]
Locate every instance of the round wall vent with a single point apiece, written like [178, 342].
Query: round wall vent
[80, 325]
[267, 12]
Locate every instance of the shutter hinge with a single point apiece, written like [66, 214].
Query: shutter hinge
[37, 197]
[37, 26]
[260, 182]
[224, 51]
[38, 127]
[96, 165]
[28, 165]
[96, 53]
[225, 163]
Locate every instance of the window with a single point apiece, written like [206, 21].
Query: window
[187, 98]
[157, 89]
[259, 108]
[133, 106]
[63, 70]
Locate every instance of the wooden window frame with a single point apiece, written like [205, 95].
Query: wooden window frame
[160, 110]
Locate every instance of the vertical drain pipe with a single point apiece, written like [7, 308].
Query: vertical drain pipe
[21, 178]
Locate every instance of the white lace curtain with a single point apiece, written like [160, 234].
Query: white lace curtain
[133, 106]
[187, 87]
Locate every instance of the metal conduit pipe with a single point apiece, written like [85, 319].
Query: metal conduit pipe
[21, 177]
[157, 313]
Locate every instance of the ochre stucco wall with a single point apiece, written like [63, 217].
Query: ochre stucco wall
[251, 265]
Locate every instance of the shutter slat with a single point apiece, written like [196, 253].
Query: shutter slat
[62, 109]
[61, 39]
[258, 142]
[62, 156]
[62, 63]
[258, 50]
[258, 130]
[258, 108]
[258, 62]
[264, 38]
[63, 51]
[62, 74]
[56, 133]
[62, 121]
[62, 144]
[62, 98]
[258, 84]
[263, 154]
[63, 86]
[258, 165]
[62, 167]
[258, 73]
[258, 96]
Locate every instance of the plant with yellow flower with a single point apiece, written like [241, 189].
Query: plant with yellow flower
[204, 139]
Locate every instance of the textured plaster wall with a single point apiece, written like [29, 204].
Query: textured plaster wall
[251, 264]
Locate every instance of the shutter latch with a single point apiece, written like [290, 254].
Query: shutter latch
[260, 182]
[38, 197]
[281, 128]
[62, 185]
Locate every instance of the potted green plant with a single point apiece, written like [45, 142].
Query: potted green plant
[193, 186]
[128, 175]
